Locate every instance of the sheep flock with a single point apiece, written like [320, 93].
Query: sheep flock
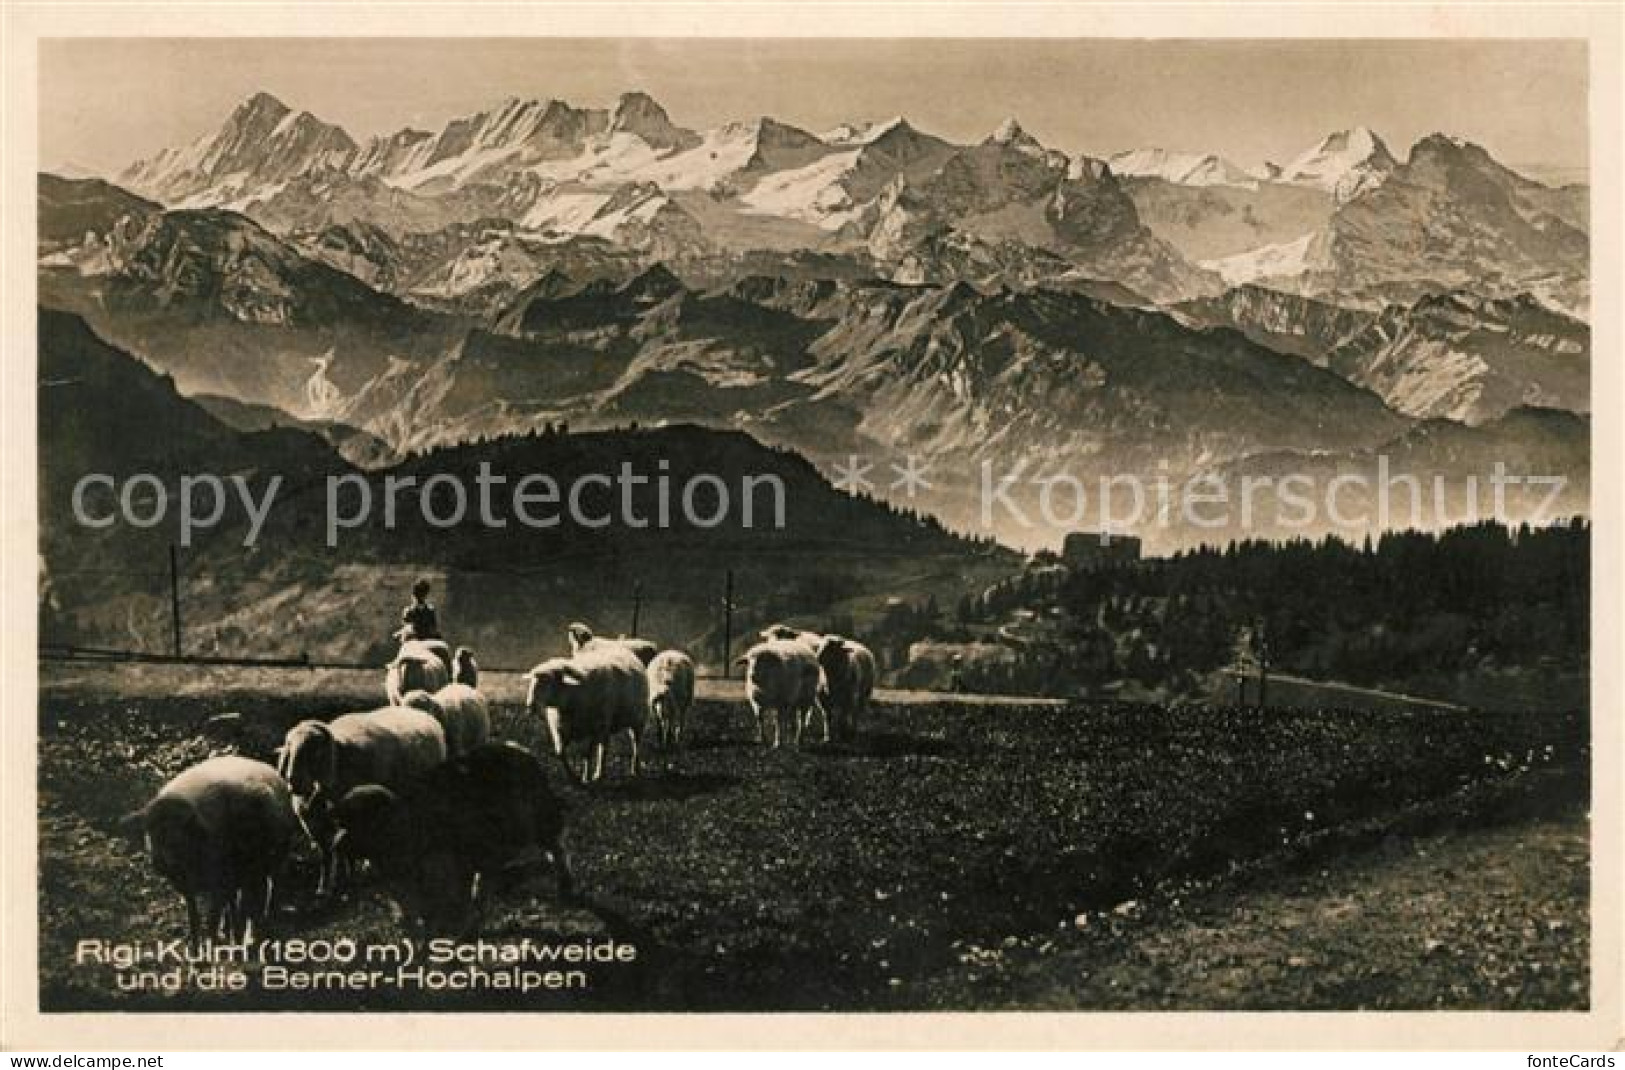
[417, 799]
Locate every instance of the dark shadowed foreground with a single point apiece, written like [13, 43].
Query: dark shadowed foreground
[959, 856]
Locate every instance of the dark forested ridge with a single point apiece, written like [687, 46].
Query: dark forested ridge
[1408, 610]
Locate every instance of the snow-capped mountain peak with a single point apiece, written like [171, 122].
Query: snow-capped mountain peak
[1008, 132]
[845, 133]
[638, 113]
[258, 109]
[1346, 163]
[1182, 168]
[1011, 135]
[262, 143]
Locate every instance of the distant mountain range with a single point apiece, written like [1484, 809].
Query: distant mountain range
[1349, 222]
[1437, 474]
[872, 290]
[507, 588]
[1453, 355]
[902, 202]
[1343, 164]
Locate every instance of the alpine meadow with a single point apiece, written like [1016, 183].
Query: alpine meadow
[510, 541]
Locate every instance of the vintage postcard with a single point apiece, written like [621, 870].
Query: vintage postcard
[898, 515]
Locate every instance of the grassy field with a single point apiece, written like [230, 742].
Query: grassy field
[963, 853]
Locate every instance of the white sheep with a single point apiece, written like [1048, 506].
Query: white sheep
[462, 711]
[582, 637]
[322, 761]
[419, 665]
[781, 677]
[848, 683]
[671, 693]
[386, 746]
[587, 699]
[221, 831]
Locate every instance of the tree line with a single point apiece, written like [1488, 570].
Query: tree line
[1404, 607]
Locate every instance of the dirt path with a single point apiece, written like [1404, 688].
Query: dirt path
[1334, 691]
[1486, 919]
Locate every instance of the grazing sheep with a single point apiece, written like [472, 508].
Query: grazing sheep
[581, 638]
[418, 666]
[386, 746]
[321, 762]
[221, 831]
[586, 699]
[781, 677]
[671, 693]
[462, 711]
[441, 842]
[848, 683]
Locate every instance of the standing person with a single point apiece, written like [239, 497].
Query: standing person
[419, 619]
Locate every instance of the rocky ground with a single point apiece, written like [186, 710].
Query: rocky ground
[1489, 918]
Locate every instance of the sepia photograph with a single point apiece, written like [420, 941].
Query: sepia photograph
[649, 524]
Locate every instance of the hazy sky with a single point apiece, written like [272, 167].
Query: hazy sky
[104, 103]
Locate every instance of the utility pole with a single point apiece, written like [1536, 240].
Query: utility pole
[637, 607]
[1262, 650]
[727, 624]
[1244, 662]
[175, 595]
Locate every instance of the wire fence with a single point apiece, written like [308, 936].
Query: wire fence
[62, 652]
[297, 611]
[621, 609]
